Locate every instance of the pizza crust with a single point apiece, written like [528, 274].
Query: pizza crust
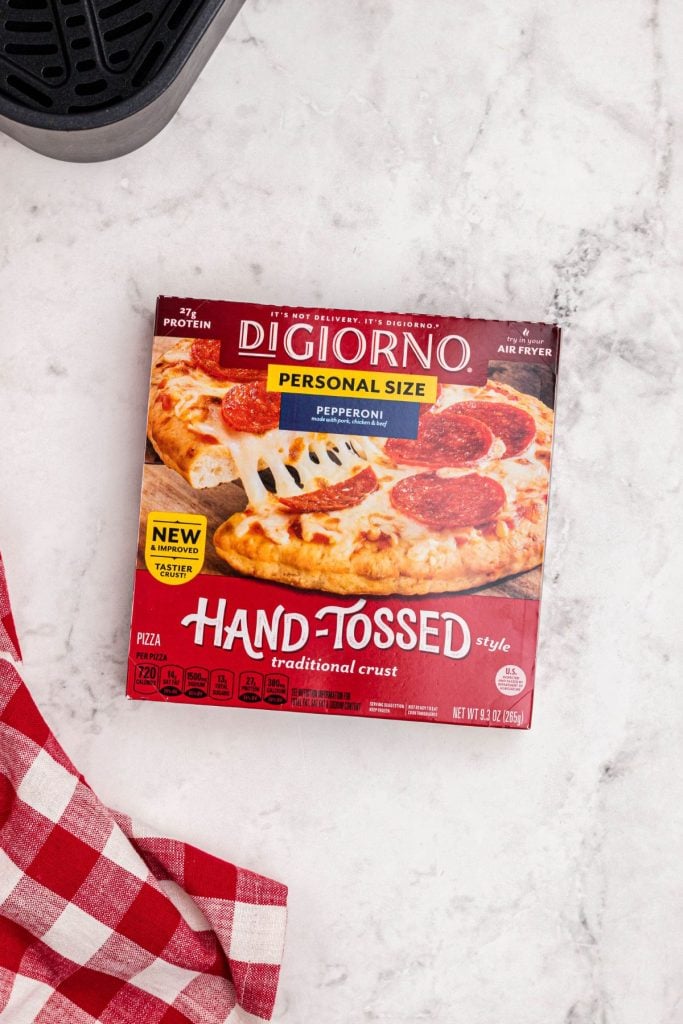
[201, 461]
[450, 566]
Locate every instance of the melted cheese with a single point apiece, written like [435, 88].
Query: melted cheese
[318, 459]
[455, 393]
[375, 515]
[178, 354]
[321, 459]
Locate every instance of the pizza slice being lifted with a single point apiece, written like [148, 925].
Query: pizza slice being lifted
[460, 506]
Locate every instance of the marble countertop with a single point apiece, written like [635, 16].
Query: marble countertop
[512, 160]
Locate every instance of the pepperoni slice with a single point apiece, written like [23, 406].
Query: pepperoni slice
[335, 497]
[206, 353]
[250, 408]
[448, 502]
[443, 439]
[514, 426]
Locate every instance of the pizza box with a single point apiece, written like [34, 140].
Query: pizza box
[343, 512]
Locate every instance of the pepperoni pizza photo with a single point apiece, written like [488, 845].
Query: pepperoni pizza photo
[459, 507]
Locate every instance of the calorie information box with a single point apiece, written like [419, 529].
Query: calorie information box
[343, 512]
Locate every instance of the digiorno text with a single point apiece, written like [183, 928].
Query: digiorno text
[349, 345]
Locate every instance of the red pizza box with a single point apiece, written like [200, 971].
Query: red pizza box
[343, 512]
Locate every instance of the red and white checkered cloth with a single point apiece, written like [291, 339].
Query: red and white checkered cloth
[103, 921]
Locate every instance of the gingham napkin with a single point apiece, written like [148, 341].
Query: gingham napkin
[99, 919]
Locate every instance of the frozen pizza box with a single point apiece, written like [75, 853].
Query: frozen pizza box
[343, 512]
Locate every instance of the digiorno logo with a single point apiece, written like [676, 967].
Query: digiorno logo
[371, 341]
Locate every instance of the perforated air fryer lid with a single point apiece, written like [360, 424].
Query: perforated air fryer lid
[91, 79]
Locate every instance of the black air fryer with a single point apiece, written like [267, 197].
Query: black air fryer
[94, 79]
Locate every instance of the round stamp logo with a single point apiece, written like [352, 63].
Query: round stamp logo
[510, 680]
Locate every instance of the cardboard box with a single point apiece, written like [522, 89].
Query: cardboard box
[343, 512]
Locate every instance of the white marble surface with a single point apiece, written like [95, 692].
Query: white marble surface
[508, 159]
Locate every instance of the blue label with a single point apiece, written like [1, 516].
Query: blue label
[365, 416]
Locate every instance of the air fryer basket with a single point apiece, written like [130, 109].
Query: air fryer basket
[93, 79]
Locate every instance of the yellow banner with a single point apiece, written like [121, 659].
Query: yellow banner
[318, 380]
[174, 546]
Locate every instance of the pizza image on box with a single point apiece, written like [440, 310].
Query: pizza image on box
[459, 505]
